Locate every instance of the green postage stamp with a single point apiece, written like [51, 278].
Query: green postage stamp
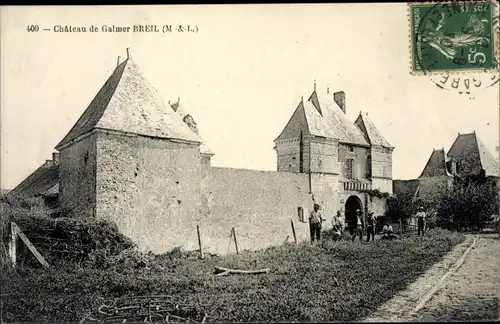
[453, 36]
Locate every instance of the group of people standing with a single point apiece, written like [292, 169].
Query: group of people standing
[357, 227]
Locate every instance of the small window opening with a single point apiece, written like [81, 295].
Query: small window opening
[348, 168]
[86, 157]
[300, 214]
[350, 148]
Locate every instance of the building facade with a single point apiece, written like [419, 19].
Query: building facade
[139, 161]
[345, 161]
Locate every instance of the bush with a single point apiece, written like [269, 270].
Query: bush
[64, 241]
[469, 204]
[331, 281]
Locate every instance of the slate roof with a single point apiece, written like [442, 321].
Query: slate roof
[325, 118]
[178, 108]
[128, 103]
[43, 181]
[296, 124]
[332, 122]
[472, 156]
[371, 133]
[436, 165]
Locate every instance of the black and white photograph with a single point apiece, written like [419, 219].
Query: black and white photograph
[255, 163]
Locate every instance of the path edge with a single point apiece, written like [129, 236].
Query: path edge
[442, 280]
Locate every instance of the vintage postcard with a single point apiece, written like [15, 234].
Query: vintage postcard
[250, 163]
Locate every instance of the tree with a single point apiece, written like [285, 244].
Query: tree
[471, 202]
[400, 207]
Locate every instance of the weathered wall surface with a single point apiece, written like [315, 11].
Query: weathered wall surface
[327, 193]
[77, 175]
[378, 206]
[258, 204]
[288, 155]
[359, 156]
[381, 160]
[384, 185]
[431, 188]
[151, 189]
[324, 155]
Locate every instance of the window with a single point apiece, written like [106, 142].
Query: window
[350, 148]
[300, 213]
[348, 168]
[369, 167]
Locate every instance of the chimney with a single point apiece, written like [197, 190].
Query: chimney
[118, 61]
[128, 53]
[55, 158]
[48, 163]
[339, 98]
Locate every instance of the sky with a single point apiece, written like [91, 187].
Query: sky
[241, 76]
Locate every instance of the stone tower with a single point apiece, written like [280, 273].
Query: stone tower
[379, 157]
[132, 159]
[343, 160]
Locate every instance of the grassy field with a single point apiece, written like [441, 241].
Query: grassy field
[331, 281]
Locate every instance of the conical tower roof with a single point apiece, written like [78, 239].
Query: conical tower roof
[128, 103]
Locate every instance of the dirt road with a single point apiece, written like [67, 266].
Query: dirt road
[471, 293]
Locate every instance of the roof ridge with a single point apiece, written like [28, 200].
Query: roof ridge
[128, 102]
[482, 153]
[95, 109]
[372, 131]
[435, 157]
[33, 179]
[364, 130]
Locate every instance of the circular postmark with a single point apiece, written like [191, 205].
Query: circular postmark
[455, 44]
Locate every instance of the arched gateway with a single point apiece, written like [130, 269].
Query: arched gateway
[352, 203]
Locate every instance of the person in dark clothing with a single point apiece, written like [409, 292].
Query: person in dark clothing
[370, 230]
[360, 225]
[315, 221]
[421, 221]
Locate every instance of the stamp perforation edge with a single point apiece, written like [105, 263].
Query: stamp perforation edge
[495, 37]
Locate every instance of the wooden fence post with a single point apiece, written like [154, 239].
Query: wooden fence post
[199, 241]
[235, 241]
[30, 246]
[293, 231]
[13, 245]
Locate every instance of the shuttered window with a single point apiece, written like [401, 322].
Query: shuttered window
[349, 168]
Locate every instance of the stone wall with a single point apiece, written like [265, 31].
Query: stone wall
[384, 185]
[431, 188]
[377, 206]
[258, 204]
[327, 193]
[77, 175]
[288, 155]
[359, 155]
[324, 155]
[381, 160]
[158, 191]
[151, 189]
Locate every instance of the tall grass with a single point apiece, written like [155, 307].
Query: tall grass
[330, 281]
